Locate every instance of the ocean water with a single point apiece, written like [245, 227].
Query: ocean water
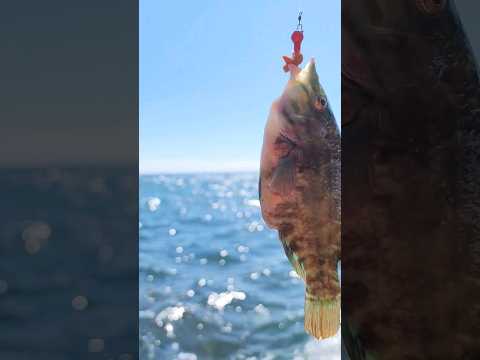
[214, 280]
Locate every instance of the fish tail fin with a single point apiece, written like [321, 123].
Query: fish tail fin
[322, 316]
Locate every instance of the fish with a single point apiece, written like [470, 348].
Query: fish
[300, 195]
[410, 189]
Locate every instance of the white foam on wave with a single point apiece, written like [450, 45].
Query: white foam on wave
[327, 349]
[172, 313]
[219, 301]
[186, 356]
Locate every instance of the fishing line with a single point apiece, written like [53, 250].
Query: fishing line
[299, 5]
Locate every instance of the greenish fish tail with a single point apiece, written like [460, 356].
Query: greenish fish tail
[322, 316]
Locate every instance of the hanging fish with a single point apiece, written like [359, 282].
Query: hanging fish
[300, 192]
[411, 189]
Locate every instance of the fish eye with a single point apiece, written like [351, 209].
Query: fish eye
[321, 103]
[431, 7]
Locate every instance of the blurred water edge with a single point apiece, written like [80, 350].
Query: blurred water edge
[68, 264]
[214, 281]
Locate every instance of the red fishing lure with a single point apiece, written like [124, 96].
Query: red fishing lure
[297, 38]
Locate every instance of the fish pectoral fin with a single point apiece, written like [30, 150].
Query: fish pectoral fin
[283, 178]
[322, 316]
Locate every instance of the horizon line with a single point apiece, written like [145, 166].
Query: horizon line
[180, 166]
[195, 171]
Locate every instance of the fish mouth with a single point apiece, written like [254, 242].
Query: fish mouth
[308, 85]
[308, 75]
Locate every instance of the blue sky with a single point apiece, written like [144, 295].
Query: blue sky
[209, 71]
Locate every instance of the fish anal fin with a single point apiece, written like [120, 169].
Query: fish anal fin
[294, 260]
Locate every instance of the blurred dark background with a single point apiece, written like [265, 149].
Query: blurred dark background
[469, 11]
[69, 180]
[410, 166]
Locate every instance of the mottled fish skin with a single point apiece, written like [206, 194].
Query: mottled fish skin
[410, 182]
[300, 187]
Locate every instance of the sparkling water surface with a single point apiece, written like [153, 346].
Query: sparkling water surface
[214, 280]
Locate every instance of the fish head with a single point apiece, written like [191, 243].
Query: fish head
[389, 46]
[299, 125]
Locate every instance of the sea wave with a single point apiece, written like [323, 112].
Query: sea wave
[214, 281]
